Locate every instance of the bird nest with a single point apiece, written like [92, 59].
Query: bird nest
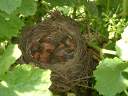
[57, 44]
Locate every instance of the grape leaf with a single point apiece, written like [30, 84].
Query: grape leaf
[26, 80]
[109, 80]
[28, 7]
[9, 26]
[9, 5]
[11, 54]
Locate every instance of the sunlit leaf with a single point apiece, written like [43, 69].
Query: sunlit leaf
[122, 45]
[11, 54]
[122, 49]
[25, 80]
[124, 35]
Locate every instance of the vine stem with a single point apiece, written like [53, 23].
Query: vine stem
[105, 51]
[126, 92]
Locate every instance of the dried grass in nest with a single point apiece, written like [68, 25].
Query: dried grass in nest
[67, 74]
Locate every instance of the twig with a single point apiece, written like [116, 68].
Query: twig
[84, 78]
[87, 87]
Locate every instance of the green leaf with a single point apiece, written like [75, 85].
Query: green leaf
[61, 2]
[26, 80]
[125, 7]
[9, 5]
[92, 8]
[109, 80]
[11, 54]
[9, 26]
[28, 7]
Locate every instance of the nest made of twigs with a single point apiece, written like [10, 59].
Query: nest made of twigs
[56, 43]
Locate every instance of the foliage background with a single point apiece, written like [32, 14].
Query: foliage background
[106, 17]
